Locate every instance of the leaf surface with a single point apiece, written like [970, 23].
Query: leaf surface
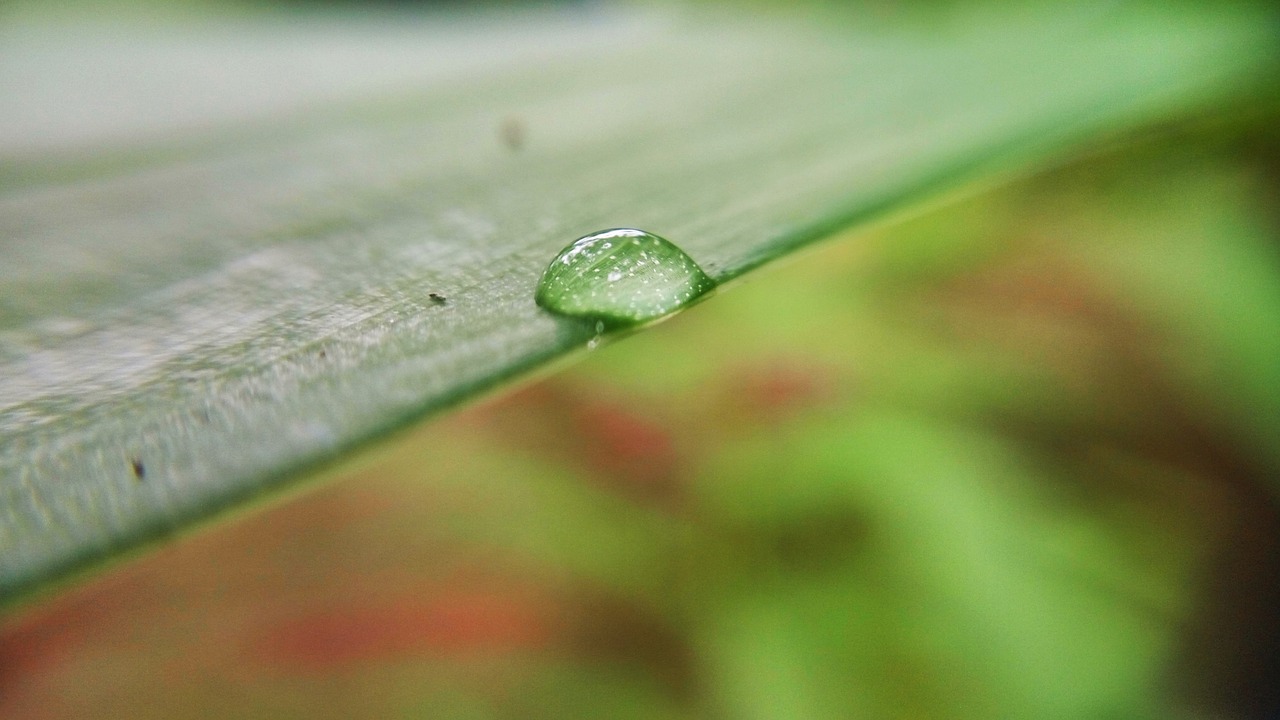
[219, 240]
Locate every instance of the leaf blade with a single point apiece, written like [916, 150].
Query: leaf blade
[230, 305]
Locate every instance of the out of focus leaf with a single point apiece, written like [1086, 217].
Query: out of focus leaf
[219, 240]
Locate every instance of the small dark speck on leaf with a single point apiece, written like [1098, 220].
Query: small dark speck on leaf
[323, 355]
[437, 298]
[139, 470]
[512, 133]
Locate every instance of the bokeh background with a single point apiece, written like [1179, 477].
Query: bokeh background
[1014, 457]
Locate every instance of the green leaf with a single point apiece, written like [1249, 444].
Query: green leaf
[220, 239]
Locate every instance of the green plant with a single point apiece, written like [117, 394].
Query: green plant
[240, 307]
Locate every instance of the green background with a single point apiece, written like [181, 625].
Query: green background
[1012, 455]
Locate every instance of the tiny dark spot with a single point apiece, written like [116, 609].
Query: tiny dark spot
[323, 355]
[437, 298]
[512, 133]
[139, 470]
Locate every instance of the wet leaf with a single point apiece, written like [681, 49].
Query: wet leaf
[235, 251]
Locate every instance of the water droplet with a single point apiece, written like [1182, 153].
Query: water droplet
[621, 283]
[594, 342]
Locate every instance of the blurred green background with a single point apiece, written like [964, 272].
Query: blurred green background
[1015, 457]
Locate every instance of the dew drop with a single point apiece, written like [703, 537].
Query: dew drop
[617, 283]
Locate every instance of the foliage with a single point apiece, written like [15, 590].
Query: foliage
[984, 463]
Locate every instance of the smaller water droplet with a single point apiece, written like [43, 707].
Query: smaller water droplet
[618, 283]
